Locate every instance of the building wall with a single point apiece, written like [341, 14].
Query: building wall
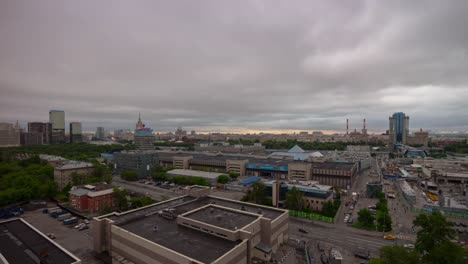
[98, 203]
[9, 135]
[144, 142]
[63, 177]
[45, 129]
[78, 202]
[299, 170]
[236, 166]
[31, 138]
[142, 163]
[57, 118]
[181, 162]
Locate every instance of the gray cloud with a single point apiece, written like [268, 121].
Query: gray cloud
[244, 65]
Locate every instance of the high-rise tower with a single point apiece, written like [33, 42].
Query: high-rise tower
[57, 118]
[398, 129]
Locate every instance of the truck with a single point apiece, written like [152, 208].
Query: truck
[64, 216]
[70, 221]
[53, 210]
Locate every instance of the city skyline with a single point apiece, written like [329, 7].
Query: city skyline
[237, 66]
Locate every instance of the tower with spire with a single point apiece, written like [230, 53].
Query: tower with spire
[139, 124]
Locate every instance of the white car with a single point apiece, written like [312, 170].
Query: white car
[408, 246]
[79, 225]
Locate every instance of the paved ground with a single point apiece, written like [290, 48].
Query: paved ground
[77, 242]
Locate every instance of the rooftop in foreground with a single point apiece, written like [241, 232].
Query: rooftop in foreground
[21, 243]
[148, 223]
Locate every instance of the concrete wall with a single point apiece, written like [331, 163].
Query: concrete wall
[63, 177]
[143, 251]
[279, 231]
[236, 166]
[299, 170]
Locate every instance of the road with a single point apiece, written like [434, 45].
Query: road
[348, 238]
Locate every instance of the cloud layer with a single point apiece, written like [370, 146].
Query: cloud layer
[235, 65]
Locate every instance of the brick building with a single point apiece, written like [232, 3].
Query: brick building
[91, 198]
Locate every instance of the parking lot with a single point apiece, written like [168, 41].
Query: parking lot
[77, 242]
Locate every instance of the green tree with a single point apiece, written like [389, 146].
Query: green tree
[436, 232]
[258, 192]
[398, 255]
[159, 176]
[446, 252]
[223, 179]
[120, 196]
[365, 218]
[295, 199]
[234, 175]
[384, 221]
[129, 175]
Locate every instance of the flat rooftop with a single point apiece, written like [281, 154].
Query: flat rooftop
[195, 173]
[220, 217]
[183, 239]
[22, 244]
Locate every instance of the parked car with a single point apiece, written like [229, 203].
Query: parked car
[303, 231]
[83, 228]
[350, 221]
[389, 237]
[79, 225]
[51, 235]
[408, 246]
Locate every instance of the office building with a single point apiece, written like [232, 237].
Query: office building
[30, 138]
[314, 194]
[144, 138]
[10, 135]
[100, 133]
[22, 243]
[57, 119]
[44, 129]
[64, 172]
[193, 229]
[419, 138]
[398, 129]
[75, 132]
[142, 162]
[91, 197]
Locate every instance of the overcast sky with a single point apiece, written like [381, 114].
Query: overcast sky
[236, 65]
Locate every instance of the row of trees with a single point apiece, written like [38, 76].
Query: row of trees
[382, 221]
[433, 244]
[458, 148]
[74, 151]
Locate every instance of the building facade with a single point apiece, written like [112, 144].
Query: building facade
[100, 133]
[44, 129]
[75, 132]
[398, 129]
[92, 198]
[57, 119]
[9, 135]
[31, 138]
[144, 138]
[192, 230]
[63, 173]
[142, 162]
[419, 138]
